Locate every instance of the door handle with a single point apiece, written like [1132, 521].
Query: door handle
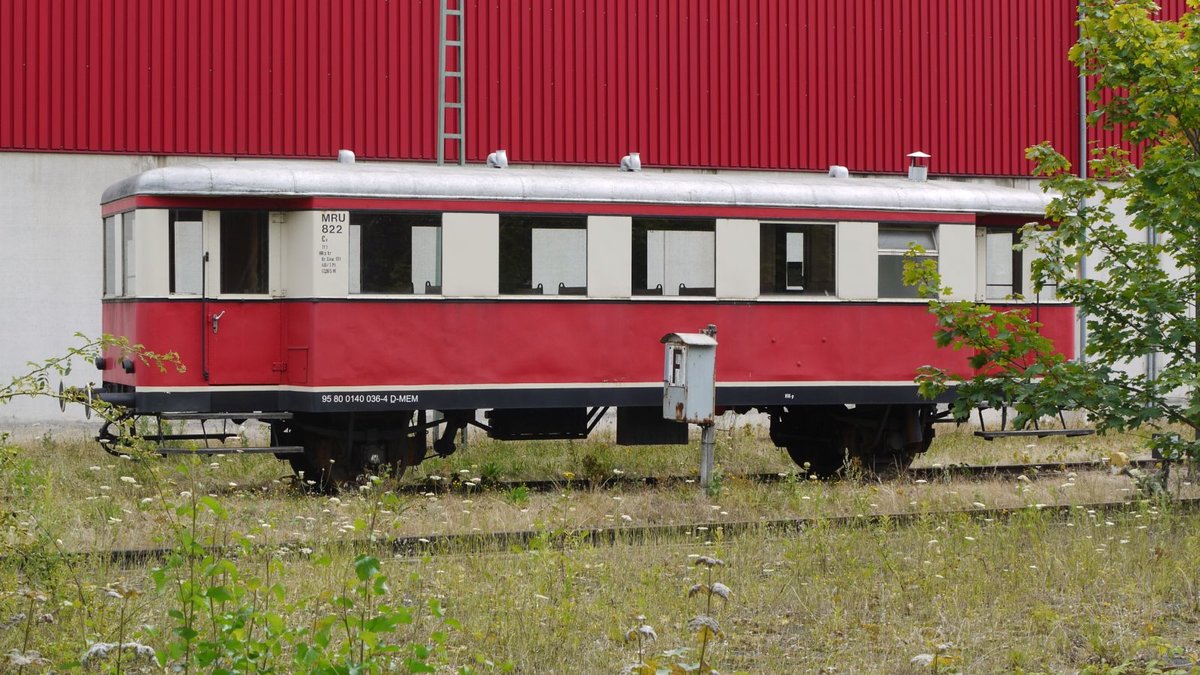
[215, 319]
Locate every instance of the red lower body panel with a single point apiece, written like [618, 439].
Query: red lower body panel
[462, 353]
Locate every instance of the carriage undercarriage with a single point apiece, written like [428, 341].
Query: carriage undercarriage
[331, 449]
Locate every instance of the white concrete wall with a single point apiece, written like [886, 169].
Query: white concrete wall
[52, 260]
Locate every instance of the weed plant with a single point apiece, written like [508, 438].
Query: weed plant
[1028, 591]
[259, 576]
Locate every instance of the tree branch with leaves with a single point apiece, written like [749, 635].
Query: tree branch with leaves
[1139, 226]
[38, 381]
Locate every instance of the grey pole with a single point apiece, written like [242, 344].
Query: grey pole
[708, 442]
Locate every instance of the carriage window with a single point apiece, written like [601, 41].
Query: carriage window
[128, 257]
[893, 244]
[542, 255]
[187, 250]
[674, 257]
[112, 283]
[395, 253]
[1002, 265]
[244, 251]
[797, 258]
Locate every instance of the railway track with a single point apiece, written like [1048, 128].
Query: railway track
[614, 482]
[500, 541]
[417, 546]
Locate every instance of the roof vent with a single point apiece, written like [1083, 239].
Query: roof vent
[498, 159]
[916, 167]
[838, 171]
[632, 162]
[345, 156]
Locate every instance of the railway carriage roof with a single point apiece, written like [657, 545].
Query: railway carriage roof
[285, 179]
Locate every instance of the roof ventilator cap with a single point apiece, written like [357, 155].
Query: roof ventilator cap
[632, 162]
[916, 168]
[498, 159]
[345, 156]
[838, 171]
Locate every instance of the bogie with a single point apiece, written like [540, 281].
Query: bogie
[344, 447]
[881, 440]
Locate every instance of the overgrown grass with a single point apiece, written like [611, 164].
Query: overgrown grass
[1030, 591]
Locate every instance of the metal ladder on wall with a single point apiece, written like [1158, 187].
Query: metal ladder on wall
[451, 22]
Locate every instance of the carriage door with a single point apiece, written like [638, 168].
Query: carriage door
[242, 320]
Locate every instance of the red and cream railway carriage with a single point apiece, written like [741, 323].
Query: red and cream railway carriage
[355, 306]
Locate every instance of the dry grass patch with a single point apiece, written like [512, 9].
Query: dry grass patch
[1026, 590]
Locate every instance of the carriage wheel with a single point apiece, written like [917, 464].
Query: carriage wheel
[811, 439]
[330, 460]
[877, 438]
[822, 462]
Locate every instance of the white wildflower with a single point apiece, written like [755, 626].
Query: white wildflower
[705, 623]
[644, 632]
[101, 650]
[20, 659]
[129, 479]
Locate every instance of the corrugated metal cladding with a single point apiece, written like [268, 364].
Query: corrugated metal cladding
[770, 84]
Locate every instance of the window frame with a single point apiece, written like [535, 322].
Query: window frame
[1017, 282]
[129, 267]
[407, 220]
[113, 281]
[640, 226]
[807, 228]
[515, 269]
[173, 216]
[264, 254]
[882, 253]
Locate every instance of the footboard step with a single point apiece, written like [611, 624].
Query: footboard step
[273, 449]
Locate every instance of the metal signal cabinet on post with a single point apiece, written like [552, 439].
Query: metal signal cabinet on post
[689, 378]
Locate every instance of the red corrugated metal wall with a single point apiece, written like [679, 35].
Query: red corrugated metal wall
[771, 84]
[225, 77]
